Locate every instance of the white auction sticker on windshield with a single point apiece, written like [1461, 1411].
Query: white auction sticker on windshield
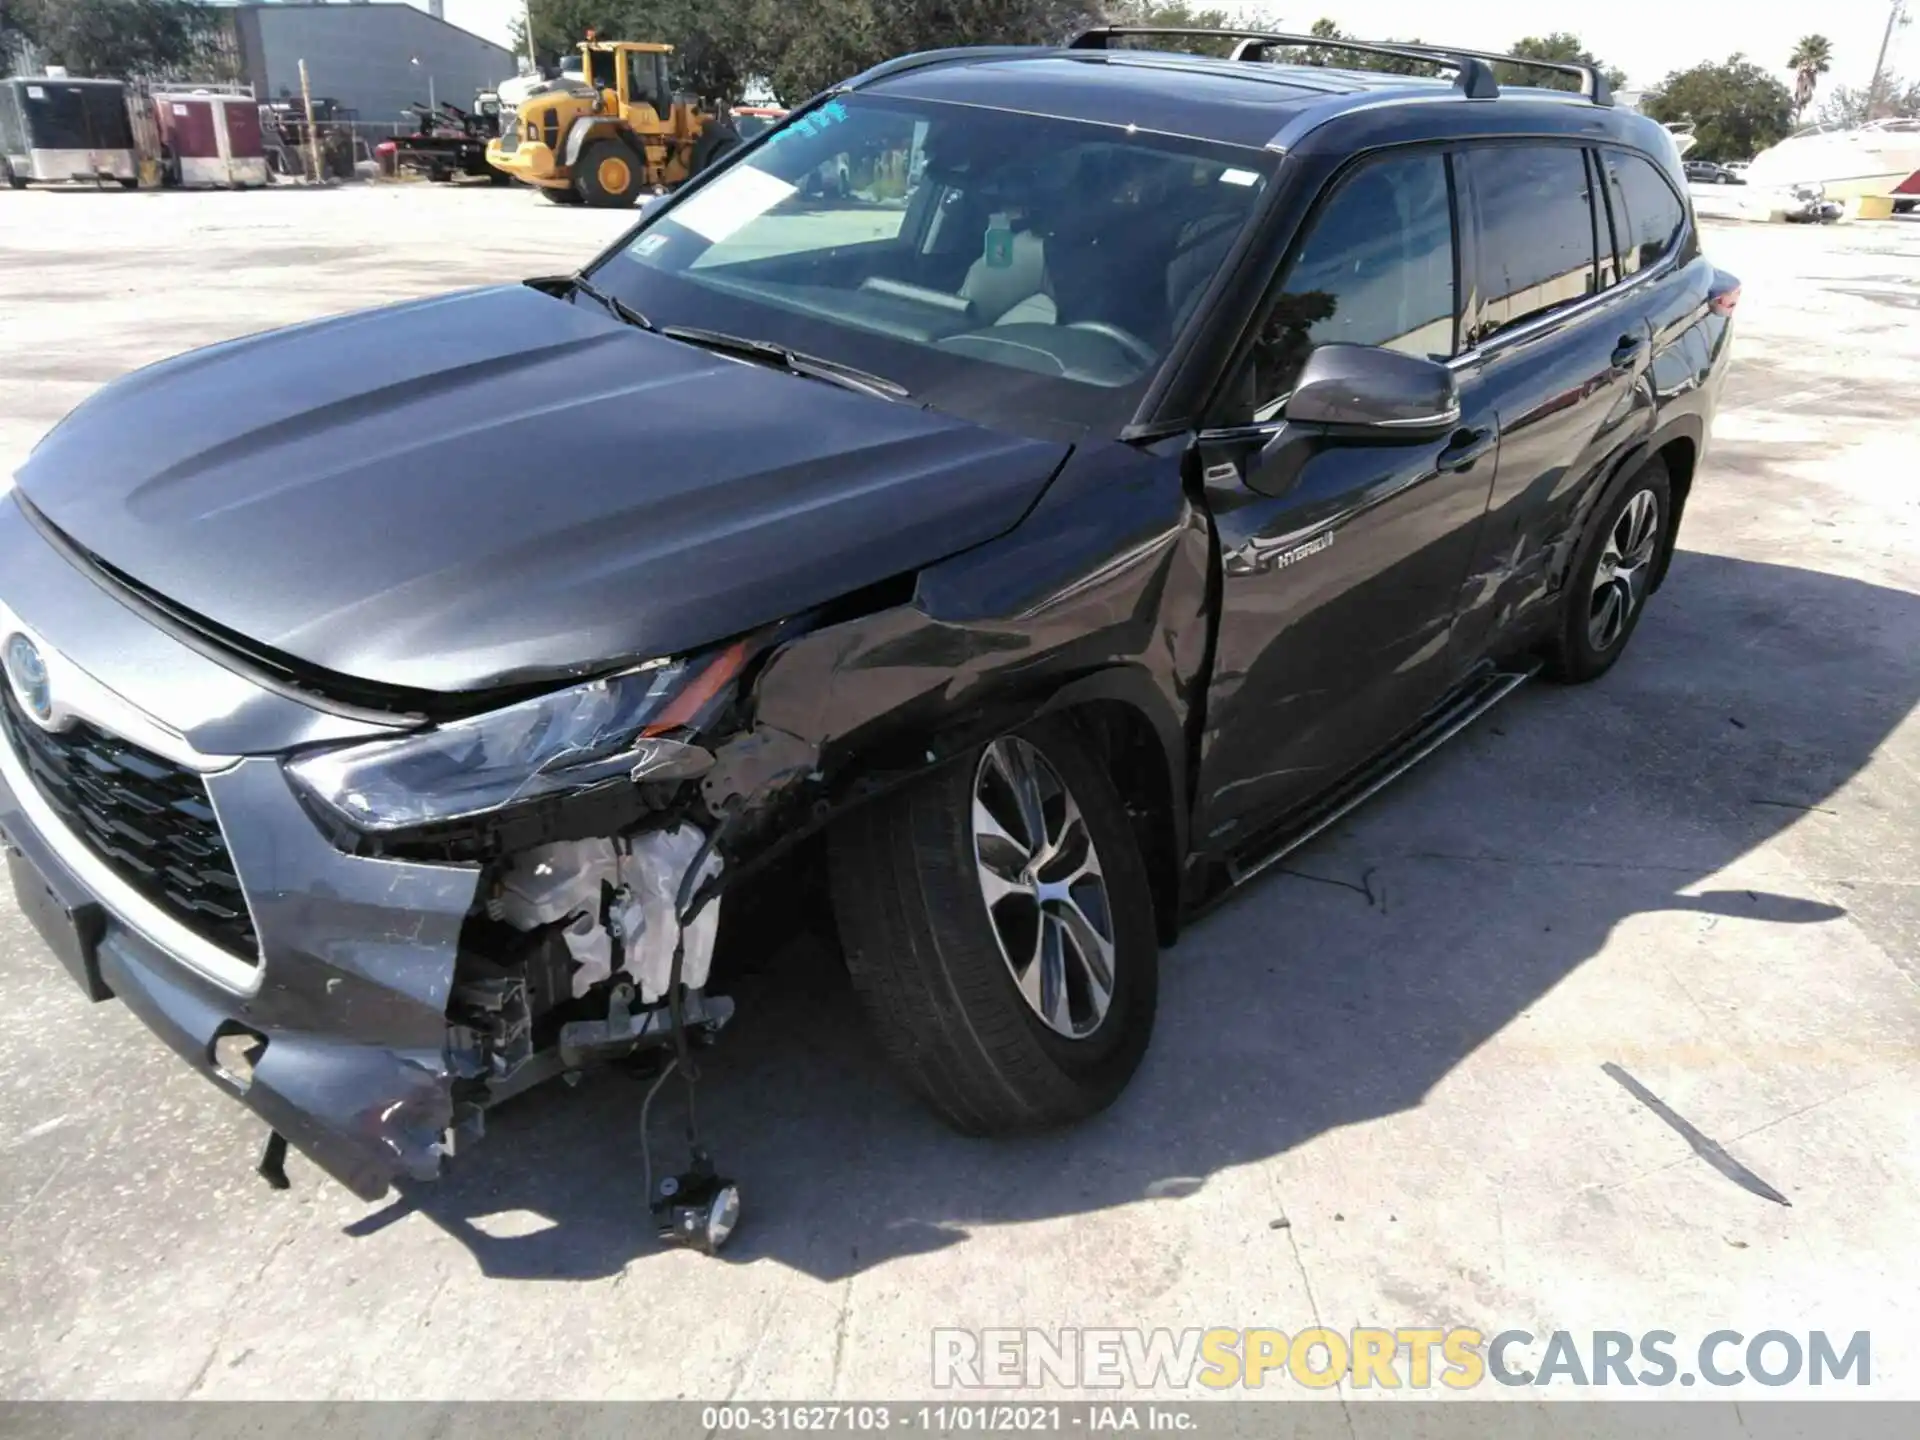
[730, 201]
[1239, 177]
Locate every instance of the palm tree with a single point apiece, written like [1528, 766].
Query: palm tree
[1812, 58]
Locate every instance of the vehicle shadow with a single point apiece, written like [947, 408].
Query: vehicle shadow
[1339, 990]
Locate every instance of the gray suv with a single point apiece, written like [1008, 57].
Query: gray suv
[1145, 458]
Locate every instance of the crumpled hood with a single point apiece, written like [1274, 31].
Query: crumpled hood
[496, 486]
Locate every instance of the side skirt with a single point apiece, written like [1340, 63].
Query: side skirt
[1467, 704]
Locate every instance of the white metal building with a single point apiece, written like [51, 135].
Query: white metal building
[379, 57]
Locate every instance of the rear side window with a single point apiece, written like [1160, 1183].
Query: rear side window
[1537, 252]
[1375, 268]
[1648, 218]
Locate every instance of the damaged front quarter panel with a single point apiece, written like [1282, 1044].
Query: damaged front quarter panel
[1099, 599]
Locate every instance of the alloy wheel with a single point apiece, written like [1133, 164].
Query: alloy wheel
[1625, 568]
[1044, 888]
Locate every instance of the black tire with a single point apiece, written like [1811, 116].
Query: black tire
[1577, 653]
[927, 961]
[14, 182]
[714, 145]
[559, 197]
[609, 176]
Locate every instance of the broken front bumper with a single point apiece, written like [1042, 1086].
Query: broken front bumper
[349, 992]
[349, 964]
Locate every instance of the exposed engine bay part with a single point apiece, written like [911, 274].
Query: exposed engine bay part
[616, 901]
[624, 1031]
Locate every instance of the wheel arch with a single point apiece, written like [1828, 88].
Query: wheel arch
[588, 128]
[1142, 749]
[1678, 443]
[1679, 446]
[1117, 711]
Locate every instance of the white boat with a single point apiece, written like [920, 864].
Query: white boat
[1844, 162]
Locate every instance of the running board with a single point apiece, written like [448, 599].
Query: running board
[1453, 716]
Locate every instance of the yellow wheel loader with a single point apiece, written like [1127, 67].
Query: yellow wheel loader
[610, 133]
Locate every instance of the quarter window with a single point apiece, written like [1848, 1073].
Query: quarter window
[1376, 268]
[1536, 232]
[1648, 218]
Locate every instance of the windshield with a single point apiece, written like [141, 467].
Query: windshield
[996, 265]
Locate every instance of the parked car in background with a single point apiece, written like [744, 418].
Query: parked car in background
[1709, 172]
[753, 121]
[397, 702]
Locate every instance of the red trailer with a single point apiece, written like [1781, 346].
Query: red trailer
[211, 135]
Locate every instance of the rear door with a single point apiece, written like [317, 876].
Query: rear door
[1658, 256]
[243, 131]
[1561, 355]
[1339, 591]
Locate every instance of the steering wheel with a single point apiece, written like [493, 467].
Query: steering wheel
[1135, 347]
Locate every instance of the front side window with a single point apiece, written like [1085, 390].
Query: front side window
[987, 261]
[1648, 219]
[1376, 267]
[643, 80]
[1536, 235]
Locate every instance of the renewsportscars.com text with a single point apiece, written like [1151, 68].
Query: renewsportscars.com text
[1406, 1357]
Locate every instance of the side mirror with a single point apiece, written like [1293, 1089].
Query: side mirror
[1359, 388]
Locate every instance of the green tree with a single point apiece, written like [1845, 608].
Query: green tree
[1847, 104]
[1356, 59]
[1737, 108]
[1560, 45]
[1179, 15]
[1812, 58]
[116, 37]
[813, 47]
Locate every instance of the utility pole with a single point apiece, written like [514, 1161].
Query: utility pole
[313, 139]
[533, 61]
[1895, 17]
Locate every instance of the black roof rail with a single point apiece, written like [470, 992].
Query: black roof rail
[1593, 81]
[1473, 70]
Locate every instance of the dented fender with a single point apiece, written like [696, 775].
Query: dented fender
[1099, 597]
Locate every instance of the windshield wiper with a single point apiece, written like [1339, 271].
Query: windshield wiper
[614, 305]
[797, 362]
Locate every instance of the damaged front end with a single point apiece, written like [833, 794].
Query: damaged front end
[591, 918]
[576, 957]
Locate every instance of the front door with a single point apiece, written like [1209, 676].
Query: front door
[1339, 584]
